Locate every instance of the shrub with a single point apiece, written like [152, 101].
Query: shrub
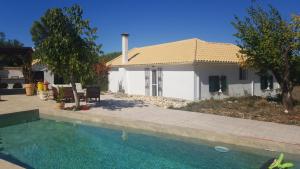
[60, 96]
[3, 85]
[262, 103]
[17, 86]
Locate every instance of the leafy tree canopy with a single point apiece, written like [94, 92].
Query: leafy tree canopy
[9, 60]
[65, 42]
[4, 42]
[109, 56]
[269, 43]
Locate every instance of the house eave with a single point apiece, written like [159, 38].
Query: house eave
[174, 63]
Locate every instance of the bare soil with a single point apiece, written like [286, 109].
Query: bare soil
[255, 108]
[296, 93]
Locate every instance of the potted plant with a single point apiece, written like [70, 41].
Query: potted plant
[27, 72]
[29, 89]
[60, 98]
[43, 95]
[46, 83]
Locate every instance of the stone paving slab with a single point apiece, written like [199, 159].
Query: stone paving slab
[7, 165]
[251, 133]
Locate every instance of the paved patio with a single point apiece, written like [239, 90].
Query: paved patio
[7, 165]
[137, 115]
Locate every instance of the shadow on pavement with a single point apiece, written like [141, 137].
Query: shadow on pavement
[112, 104]
[11, 91]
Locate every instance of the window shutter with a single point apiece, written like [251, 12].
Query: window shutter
[223, 80]
[160, 81]
[214, 83]
[242, 73]
[270, 81]
[147, 82]
[263, 82]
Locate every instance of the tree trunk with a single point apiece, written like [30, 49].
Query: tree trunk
[77, 103]
[287, 99]
[287, 86]
[27, 67]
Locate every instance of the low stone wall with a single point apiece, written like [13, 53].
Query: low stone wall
[12, 81]
[154, 100]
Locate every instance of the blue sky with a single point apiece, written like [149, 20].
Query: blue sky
[147, 21]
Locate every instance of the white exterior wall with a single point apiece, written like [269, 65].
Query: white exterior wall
[236, 87]
[11, 76]
[11, 72]
[136, 81]
[48, 75]
[113, 80]
[131, 79]
[189, 82]
[178, 81]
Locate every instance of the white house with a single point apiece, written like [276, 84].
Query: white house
[190, 69]
[41, 73]
[11, 76]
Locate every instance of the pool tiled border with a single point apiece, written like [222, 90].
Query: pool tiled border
[19, 117]
[117, 112]
[186, 132]
[8, 165]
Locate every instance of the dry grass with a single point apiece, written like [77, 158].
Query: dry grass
[255, 108]
[296, 93]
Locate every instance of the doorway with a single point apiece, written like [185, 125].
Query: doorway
[154, 82]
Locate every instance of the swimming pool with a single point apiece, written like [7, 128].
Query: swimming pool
[47, 144]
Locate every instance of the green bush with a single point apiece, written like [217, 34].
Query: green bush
[17, 86]
[3, 85]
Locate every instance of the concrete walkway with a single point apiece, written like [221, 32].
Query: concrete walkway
[7, 165]
[136, 115]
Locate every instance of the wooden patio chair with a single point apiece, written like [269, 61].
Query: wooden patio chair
[68, 93]
[55, 93]
[92, 93]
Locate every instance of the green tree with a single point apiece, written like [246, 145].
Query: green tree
[109, 56]
[101, 69]
[270, 43]
[65, 42]
[4, 42]
[10, 60]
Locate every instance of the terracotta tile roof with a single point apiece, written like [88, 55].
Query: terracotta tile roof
[180, 52]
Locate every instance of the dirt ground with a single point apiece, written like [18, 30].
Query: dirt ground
[255, 108]
[296, 93]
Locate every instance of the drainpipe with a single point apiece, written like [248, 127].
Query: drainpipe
[252, 88]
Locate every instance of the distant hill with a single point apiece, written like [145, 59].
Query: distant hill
[109, 56]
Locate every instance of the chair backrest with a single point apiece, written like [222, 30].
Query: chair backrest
[62, 85]
[55, 92]
[78, 87]
[92, 92]
[68, 92]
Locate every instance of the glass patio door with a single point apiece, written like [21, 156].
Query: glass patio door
[154, 82]
[147, 82]
[160, 81]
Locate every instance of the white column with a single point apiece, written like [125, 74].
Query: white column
[125, 48]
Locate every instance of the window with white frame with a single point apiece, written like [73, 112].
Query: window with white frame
[266, 82]
[217, 83]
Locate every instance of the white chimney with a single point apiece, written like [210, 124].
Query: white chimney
[124, 48]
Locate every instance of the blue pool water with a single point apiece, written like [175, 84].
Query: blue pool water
[47, 144]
